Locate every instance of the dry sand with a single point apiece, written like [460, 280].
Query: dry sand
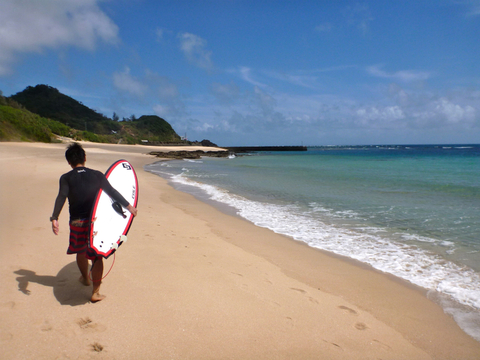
[193, 283]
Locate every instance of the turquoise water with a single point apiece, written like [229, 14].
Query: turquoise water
[412, 211]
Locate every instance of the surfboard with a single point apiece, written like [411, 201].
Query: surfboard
[110, 222]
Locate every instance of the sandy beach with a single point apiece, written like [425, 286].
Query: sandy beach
[193, 283]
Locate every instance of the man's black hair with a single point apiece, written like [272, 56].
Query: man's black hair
[75, 154]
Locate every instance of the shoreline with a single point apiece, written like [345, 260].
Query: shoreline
[211, 285]
[231, 211]
[465, 313]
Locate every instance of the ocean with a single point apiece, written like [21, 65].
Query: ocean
[409, 210]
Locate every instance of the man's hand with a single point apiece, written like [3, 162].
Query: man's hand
[55, 227]
[132, 210]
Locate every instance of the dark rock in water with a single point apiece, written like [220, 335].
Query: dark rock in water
[182, 154]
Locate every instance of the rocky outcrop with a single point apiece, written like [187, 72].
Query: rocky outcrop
[183, 154]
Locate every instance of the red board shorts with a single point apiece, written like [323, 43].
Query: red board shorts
[80, 239]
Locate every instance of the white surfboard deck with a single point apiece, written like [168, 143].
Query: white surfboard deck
[109, 228]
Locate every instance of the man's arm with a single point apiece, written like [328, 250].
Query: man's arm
[55, 227]
[59, 202]
[132, 210]
[115, 195]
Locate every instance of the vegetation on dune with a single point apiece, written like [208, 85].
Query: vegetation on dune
[17, 123]
[39, 112]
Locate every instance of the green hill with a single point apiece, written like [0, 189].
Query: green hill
[87, 124]
[151, 128]
[48, 102]
[18, 124]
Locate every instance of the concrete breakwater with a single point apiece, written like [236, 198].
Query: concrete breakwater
[247, 149]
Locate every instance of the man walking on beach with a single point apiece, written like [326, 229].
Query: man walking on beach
[80, 186]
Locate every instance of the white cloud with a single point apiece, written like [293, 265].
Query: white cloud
[473, 7]
[380, 116]
[167, 96]
[359, 16]
[304, 80]
[399, 94]
[193, 47]
[150, 88]
[310, 79]
[356, 16]
[32, 26]
[455, 113]
[400, 118]
[161, 111]
[159, 32]
[225, 93]
[173, 111]
[403, 75]
[245, 74]
[264, 101]
[167, 90]
[126, 82]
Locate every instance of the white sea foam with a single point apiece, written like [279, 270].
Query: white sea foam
[409, 262]
[414, 237]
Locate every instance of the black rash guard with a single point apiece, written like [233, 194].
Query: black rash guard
[80, 186]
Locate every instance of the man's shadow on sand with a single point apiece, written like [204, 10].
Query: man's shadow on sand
[66, 287]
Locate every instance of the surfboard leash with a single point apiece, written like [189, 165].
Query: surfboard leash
[111, 267]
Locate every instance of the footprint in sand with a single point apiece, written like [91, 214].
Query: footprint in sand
[9, 305]
[97, 347]
[46, 326]
[87, 324]
[62, 282]
[313, 300]
[290, 322]
[381, 345]
[5, 335]
[361, 326]
[299, 290]
[347, 309]
[332, 343]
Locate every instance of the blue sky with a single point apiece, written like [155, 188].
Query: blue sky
[259, 72]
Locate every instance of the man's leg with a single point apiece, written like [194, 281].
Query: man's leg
[97, 273]
[82, 263]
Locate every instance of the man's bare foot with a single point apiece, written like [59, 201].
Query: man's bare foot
[84, 281]
[97, 297]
